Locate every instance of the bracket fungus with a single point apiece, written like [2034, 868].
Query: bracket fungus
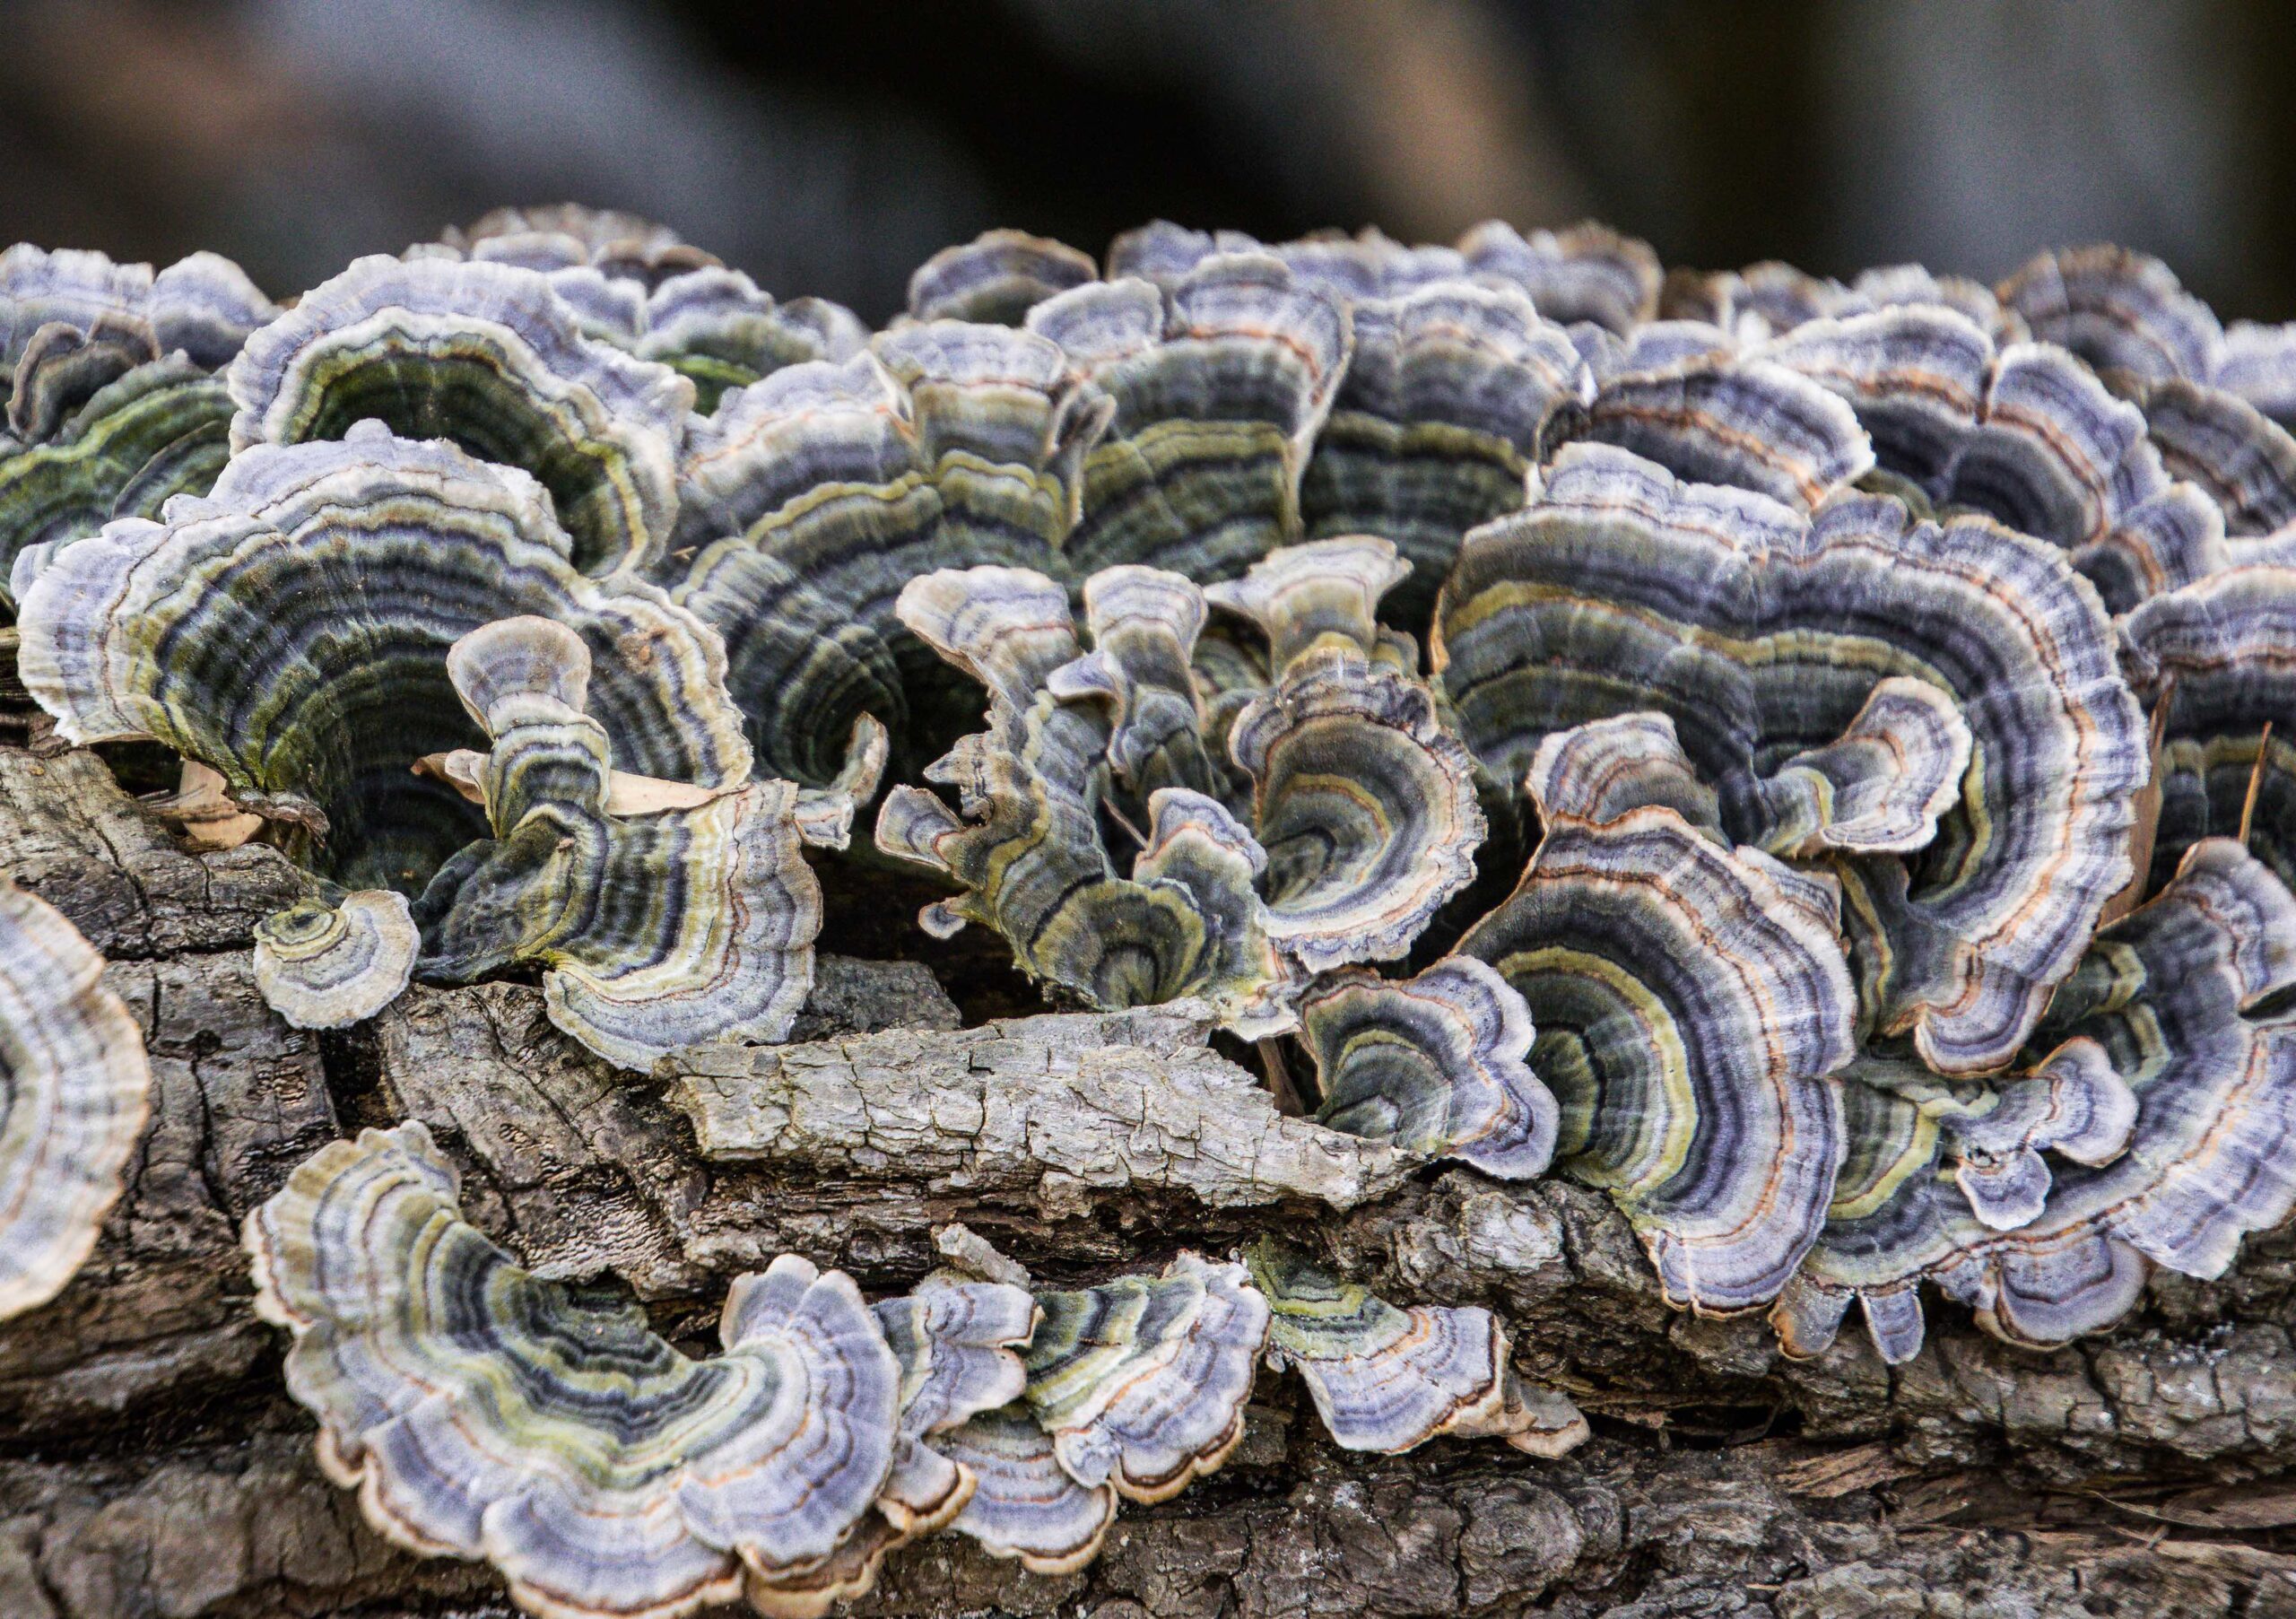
[483, 1412]
[1790, 674]
[1024, 1505]
[1362, 816]
[542, 593]
[489, 356]
[113, 404]
[293, 631]
[1142, 1382]
[2172, 1003]
[1692, 1006]
[1437, 1063]
[811, 497]
[1388, 1380]
[997, 278]
[74, 1092]
[1219, 384]
[638, 286]
[2218, 658]
[663, 930]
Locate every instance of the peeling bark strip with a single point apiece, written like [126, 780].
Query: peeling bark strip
[151, 1465]
[1130, 1099]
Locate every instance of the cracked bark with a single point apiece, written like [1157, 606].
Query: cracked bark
[151, 1465]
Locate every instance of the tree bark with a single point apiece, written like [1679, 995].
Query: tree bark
[151, 1463]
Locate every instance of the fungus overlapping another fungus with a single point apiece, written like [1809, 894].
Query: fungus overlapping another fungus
[2170, 1004]
[1435, 1063]
[1692, 1004]
[956, 1342]
[1024, 1505]
[1453, 394]
[811, 497]
[485, 1413]
[1141, 1381]
[1361, 817]
[997, 278]
[1829, 677]
[1454, 385]
[2023, 432]
[488, 355]
[664, 928]
[1388, 1380]
[1220, 383]
[2216, 404]
[75, 1091]
[291, 631]
[113, 405]
[637, 286]
[2218, 660]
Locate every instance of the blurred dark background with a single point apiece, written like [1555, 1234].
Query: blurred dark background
[827, 147]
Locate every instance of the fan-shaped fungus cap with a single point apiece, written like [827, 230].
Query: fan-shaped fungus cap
[491, 356]
[998, 277]
[291, 631]
[812, 497]
[1142, 1382]
[1435, 1064]
[1745, 421]
[1802, 632]
[482, 1413]
[1692, 1004]
[1363, 816]
[2118, 310]
[158, 431]
[328, 963]
[1588, 272]
[955, 1342]
[1220, 385]
[1389, 1380]
[2219, 658]
[1451, 396]
[112, 408]
[559, 236]
[1028, 843]
[1024, 1505]
[75, 1091]
[2025, 432]
[2173, 999]
[689, 925]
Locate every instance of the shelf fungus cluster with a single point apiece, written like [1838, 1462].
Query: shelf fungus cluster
[482, 1412]
[1814, 759]
[1323, 822]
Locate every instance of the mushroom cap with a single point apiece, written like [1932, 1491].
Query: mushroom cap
[74, 1093]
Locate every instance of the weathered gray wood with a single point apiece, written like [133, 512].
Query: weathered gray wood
[150, 1464]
